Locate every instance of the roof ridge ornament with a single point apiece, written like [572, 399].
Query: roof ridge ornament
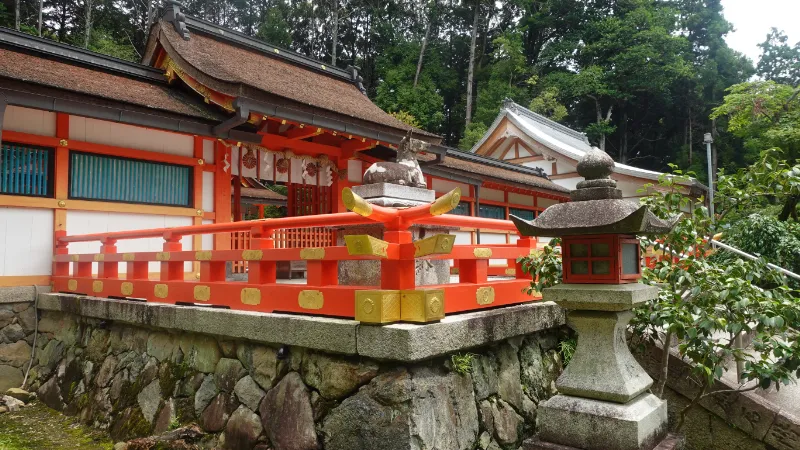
[173, 14]
[357, 79]
[509, 104]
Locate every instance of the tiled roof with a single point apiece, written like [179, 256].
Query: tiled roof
[70, 76]
[232, 66]
[493, 168]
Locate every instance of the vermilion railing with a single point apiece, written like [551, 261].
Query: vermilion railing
[284, 238]
[396, 298]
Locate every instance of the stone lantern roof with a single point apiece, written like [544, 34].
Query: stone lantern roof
[597, 207]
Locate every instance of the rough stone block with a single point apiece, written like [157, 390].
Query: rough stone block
[599, 425]
[410, 342]
[394, 191]
[600, 297]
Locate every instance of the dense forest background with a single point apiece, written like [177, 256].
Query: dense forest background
[640, 77]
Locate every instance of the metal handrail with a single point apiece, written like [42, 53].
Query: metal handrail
[743, 254]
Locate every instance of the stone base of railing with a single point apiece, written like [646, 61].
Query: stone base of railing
[287, 381]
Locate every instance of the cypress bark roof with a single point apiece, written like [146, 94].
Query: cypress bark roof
[238, 65]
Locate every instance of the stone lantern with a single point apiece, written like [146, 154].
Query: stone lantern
[603, 401]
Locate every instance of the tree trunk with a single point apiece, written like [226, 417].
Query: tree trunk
[88, 24]
[149, 20]
[471, 73]
[41, 6]
[691, 140]
[623, 152]
[335, 32]
[424, 46]
[16, 15]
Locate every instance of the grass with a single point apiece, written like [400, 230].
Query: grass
[462, 363]
[37, 427]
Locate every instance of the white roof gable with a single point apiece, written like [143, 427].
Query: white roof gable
[556, 137]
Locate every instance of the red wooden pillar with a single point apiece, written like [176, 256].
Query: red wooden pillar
[108, 269]
[60, 269]
[222, 193]
[261, 272]
[398, 274]
[473, 270]
[171, 270]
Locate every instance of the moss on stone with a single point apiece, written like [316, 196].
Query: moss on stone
[130, 424]
[171, 373]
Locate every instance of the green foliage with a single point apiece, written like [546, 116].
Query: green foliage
[397, 92]
[103, 42]
[544, 266]
[764, 114]
[779, 62]
[462, 362]
[776, 241]
[405, 117]
[274, 28]
[566, 349]
[548, 105]
[706, 303]
[472, 134]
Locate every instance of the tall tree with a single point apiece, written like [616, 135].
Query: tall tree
[779, 61]
[471, 75]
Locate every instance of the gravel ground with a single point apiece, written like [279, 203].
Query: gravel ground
[37, 427]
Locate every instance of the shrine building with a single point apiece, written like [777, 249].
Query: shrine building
[212, 127]
[523, 137]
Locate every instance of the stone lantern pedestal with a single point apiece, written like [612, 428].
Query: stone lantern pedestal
[603, 403]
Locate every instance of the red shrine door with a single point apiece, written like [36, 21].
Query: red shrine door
[305, 200]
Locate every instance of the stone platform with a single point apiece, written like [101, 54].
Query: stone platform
[253, 380]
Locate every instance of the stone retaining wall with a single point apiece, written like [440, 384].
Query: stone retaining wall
[17, 322]
[136, 380]
[731, 421]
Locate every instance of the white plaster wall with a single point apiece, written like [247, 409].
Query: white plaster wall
[463, 237]
[519, 199]
[207, 240]
[32, 121]
[208, 191]
[569, 183]
[492, 194]
[494, 238]
[547, 166]
[87, 222]
[208, 151]
[545, 202]
[355, 170]
[630, 188]
[445, 186]
[564, 166]
[27, 235]
[129, 136]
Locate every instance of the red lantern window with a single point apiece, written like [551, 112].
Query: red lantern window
[608, 259]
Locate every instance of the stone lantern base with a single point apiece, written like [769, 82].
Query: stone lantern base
[599, 425]
[603, 402]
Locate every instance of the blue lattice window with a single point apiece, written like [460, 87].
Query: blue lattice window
[526, 214]
[26, 170]
[462, 209]
[492, 212]
[100, 177]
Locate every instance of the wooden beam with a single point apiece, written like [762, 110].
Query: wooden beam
[275, 141]
[302, 132]
[526, 159]
[561, 176]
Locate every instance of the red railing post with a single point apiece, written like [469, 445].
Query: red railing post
[108, 269]
[528, 244]
[61, 269]
[473, 270]
[171, 270]
[398, 274]
[260, 271]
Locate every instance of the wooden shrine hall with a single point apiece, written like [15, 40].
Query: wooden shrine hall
[211, 128]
